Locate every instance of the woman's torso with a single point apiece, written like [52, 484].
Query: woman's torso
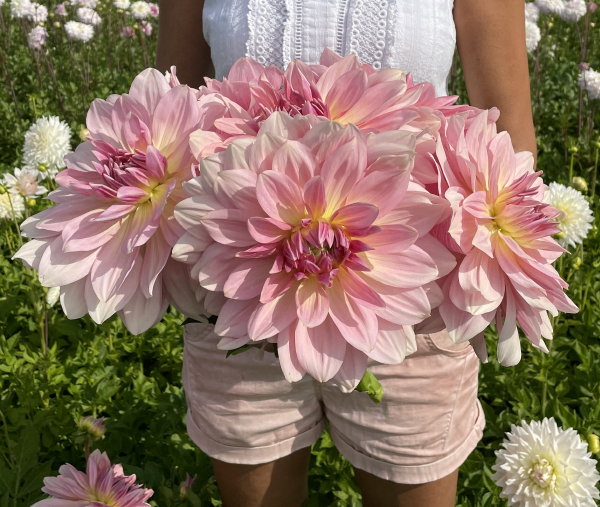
[417, 36]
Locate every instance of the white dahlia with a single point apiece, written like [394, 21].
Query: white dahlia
[79, 31]
[589, 80]
[550, 6]
[36, 38]
[47, 141]
[573, 10]
[25, 182]
[532, 13]
[39, 13]
[89, 16]
[21, 9]
[575, 216]
[532, 35]
[122, 4]
[542, 465]
[11, 206]
[140, 10]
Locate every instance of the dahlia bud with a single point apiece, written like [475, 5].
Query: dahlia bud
[43, 167]
[52, 296]
[56, 24]
[577, 262]
[593, 443]
[573, 148]
[592, 6]
[30, 202]
[2, 190]
[578, 183]
[370, 385]
[92, 426]
[186, 485]
[584, 66]
[83, 133]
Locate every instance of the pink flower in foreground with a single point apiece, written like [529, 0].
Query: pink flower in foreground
[314, 239]
[107, 243]
[102, 485]
[501, 231]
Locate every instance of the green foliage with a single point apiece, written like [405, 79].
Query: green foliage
[54, 371]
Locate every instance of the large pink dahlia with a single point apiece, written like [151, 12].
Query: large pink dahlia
[102, 485]
[501, 231]
[315, 239]
[338, 88]
[107, 241]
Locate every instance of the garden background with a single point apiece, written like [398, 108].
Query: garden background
[54, 372]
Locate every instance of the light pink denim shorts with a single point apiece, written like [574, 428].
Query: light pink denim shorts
[242, 410]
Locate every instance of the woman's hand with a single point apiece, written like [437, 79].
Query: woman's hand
[491, 45]
[180, 41]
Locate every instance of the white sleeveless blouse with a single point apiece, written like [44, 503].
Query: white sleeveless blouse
[417, 36]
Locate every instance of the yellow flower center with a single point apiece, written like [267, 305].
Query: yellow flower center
[542, 474]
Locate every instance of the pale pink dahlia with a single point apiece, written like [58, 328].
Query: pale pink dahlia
[107, 242]
[102, 485]
[501, 231]
[313, 238]
[338, 88]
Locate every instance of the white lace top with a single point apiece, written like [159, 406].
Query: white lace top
[417, 36]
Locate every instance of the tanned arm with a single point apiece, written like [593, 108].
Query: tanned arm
[491, 45]
[180, 41]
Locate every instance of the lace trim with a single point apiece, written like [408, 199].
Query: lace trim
[292, 32]
[369, 29]
[340, 26]
[267, 23]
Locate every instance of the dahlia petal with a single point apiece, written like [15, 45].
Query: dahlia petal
[483, 282]
[31, 252]
[245, 279]
[148, 87]
[392, 238]
[391, 345]
[280, 197]
[213, 302]
[355, 217]
[114, 211]
[141, 313]
[275, 285]
[267, 230]
[156, 162]
[332, 74]
[60, 502]
[175, 116]
[356, 324]
[189, 247]
[227, 343]
[480, 348]
[356, 287]
[399, 269]
[273, 317]
[314, 196]
[419, 209]
[234, 317]
[181, 291]
[407, 307]
[295, 160]
[320, 350]
[239, 185]
[383, 188]
[345, 92]
[214, 266]
[228, 227]
[156, 255]
[99, 119]
[72, 299]
[462, 325]
[288, 359]
[312, 302]
[204, 143]
[509, 347]
[352, 370]
[57, 268]
[111, 267]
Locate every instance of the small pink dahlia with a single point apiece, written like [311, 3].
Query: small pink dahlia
[314, 238]
[107, 241]
[501, 231]
[102, 485]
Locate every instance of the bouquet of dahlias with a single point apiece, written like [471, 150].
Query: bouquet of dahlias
[327, 209]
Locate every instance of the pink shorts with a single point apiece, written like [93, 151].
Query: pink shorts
[242, 410]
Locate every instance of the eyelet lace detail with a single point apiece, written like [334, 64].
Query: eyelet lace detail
[267, 22]
[369, 29]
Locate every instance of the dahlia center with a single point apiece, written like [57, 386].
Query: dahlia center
[542, 473]
[316, 249]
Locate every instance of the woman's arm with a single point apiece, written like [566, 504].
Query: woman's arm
[180, 40]
[491, 45]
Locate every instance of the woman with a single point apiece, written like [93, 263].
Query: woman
[256, 427]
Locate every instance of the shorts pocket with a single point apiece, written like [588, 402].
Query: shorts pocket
[441, 342]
